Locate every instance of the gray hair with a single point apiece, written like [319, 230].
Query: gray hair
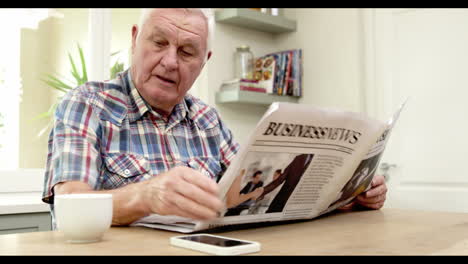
[207, 12]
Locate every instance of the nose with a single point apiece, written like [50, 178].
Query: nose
[169, 60]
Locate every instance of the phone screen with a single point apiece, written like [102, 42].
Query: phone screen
[215, 241]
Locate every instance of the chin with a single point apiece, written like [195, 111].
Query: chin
[163, 98]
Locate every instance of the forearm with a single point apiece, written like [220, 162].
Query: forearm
[234, 201]
[128, 201]
[130, 205]
[244, 197]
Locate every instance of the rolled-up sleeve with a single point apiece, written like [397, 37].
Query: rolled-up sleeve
[73, 145]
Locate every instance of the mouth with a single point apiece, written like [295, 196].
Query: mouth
[166, 80]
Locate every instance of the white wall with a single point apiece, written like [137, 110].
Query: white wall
[331, 40]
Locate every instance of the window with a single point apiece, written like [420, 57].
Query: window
[13, 20]
[38, 43]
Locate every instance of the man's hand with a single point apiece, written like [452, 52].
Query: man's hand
[257, 193]
[184, 192]
[375, 197]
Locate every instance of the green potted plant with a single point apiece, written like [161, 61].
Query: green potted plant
[79, 78]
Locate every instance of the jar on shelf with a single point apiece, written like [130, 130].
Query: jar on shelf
[266, 11]
[243, 63]
[271, 11]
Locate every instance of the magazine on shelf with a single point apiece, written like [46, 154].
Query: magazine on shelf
[264, 72]
[299, 162]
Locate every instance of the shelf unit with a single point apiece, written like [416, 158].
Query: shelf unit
[252, 19]
[247, 18]
[247, 97]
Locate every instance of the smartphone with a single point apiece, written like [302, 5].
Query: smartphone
[217, 245]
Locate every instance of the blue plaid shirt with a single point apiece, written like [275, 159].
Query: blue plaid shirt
[107, 136]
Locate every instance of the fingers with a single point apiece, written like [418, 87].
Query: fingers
[171, 208]
[201, 181]
[378, 187]
[378, 180]
[184, 192]
[376, 196]
[196, 194]
[187, 207]
[375, 206]
[347, 206]
[371, 200]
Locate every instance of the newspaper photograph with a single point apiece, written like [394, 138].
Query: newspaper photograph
[299, 162]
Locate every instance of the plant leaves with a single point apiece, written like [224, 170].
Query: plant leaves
[74, 72]
[54, 85]
[118, 67]
[83, 65]
[46, 128]
[48, 113]
[60, 83]
[57, 84]
[115, 53]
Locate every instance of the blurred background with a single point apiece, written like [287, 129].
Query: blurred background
[362, 60]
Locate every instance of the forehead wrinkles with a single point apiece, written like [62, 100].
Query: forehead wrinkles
[189, 23]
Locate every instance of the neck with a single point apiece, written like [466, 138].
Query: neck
[164, 113]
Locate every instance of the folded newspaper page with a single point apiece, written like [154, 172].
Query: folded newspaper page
[299, 162]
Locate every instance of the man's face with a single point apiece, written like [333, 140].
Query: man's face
[168, 55]
[256, 178]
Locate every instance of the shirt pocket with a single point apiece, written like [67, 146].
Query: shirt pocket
[123, 168]
[206, 165]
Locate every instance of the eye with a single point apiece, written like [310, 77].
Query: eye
[186, 52]
[159, 43]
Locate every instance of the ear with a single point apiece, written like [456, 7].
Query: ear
[207, 58]
[134, 37]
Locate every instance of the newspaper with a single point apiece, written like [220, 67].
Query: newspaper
[299, 162]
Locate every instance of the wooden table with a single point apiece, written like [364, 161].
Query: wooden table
[383, 232]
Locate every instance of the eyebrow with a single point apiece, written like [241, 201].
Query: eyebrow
[157, 30]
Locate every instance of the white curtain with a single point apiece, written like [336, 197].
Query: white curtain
[11, 22]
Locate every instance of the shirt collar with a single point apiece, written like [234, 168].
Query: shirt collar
[137, 107]
[179, 112]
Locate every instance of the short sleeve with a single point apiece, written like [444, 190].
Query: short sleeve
[73, 147]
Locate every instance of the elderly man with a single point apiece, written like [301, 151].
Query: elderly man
[140, 136]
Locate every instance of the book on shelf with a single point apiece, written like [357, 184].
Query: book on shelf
[280, 72]
[242, 85]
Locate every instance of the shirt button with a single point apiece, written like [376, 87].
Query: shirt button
[127, 172]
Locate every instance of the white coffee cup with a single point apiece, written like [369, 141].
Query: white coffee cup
[84, 217]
